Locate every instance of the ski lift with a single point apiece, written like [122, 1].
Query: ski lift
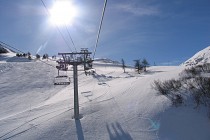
[88, 66]
[62, 79]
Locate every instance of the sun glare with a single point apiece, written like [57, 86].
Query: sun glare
[63, 13]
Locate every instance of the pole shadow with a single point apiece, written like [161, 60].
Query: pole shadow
[116, 132]
[80, 134]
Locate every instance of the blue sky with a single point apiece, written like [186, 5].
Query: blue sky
[165, 32]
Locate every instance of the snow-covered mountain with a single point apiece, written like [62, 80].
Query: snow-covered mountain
[113, 105]
[199, 58]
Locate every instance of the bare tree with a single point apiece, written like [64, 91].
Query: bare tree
[145, 64]
[45, 56]
[29, 55]
[123, 64]
[138, 66]
[37, 56]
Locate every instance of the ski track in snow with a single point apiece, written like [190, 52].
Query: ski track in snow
[113, 105]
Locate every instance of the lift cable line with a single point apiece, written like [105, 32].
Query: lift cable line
[56, 26]
[64, 38]
[99, 30]
[70, 38]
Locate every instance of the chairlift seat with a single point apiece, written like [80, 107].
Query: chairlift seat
[62, 80]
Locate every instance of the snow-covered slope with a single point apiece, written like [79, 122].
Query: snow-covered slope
[10, 56]
[6, 55]
[114, 105]
[199, 58]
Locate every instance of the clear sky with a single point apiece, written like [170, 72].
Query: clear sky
[165, 32]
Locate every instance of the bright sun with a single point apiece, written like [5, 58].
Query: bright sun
[63, 12]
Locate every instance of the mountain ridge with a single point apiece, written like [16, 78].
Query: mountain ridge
[199, 58]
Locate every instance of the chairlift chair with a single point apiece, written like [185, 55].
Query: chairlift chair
[88, 67]
[62, 79]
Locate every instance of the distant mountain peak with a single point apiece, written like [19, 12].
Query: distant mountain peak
[199, 58]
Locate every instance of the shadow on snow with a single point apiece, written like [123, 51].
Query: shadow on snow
[116, 132]
[80, 134]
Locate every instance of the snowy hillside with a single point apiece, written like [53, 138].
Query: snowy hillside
[106, 61]
[3, 50]
[6, 54]
[113, 105]
[10, 56]
[199, 58]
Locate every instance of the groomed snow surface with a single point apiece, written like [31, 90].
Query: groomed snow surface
[113, 105]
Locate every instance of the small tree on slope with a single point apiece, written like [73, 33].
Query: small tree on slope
[123, 65]
[138, 66]
[145, 64]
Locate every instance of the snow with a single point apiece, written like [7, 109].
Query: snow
[199, 58]
[113, 105]
[4, 57]
[11, 57]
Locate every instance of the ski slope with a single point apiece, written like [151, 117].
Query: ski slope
[113, 105]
